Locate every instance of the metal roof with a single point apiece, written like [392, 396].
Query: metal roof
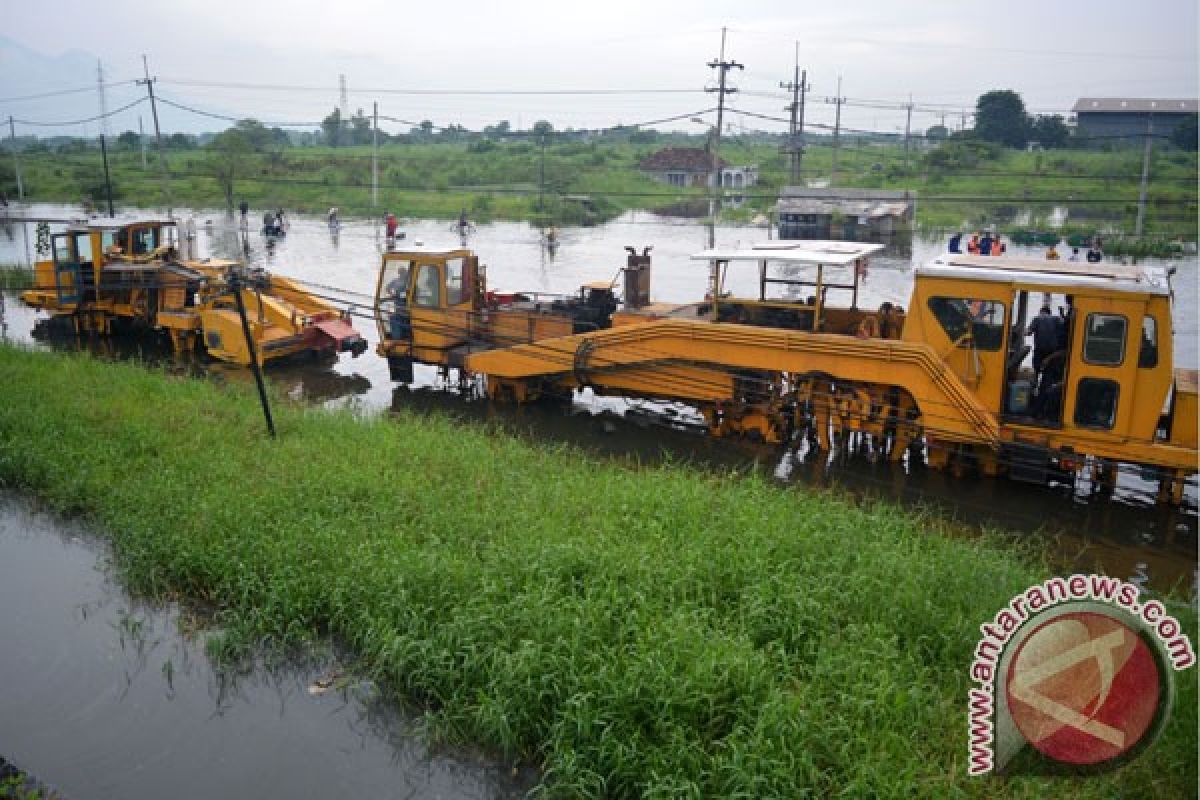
[1059, 274]
[1137, 105]
[809, 251]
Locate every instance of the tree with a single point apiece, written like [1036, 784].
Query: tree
[1050, 131]
[937, 133]
[1184, 135]
[501, 128]
[180, 141]
[128, 140]
[333, 129]
[543, 128]
[231, 151]
[360, 128]
[1000, 117]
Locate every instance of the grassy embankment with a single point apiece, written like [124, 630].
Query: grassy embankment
[957, 186]
[634, 632]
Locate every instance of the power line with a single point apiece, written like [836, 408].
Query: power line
[69, 123]
[434, 92]
[59, 92]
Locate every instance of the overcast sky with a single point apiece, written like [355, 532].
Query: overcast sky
[942, 52]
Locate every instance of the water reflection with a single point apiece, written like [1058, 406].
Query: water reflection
[107, 697]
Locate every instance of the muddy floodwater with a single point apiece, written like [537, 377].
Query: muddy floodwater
[102, 697]
[1124, 535]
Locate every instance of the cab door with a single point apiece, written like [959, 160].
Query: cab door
[1104, 363]
[441, 306]
[68, 278]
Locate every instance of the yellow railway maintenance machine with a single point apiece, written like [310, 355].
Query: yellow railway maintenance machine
[106, 275]
[801, 358]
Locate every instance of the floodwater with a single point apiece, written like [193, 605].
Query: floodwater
[102, 697]
[1124, 535]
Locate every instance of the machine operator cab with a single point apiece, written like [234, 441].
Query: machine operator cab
[808, 285]
[1081, 349]
[426, 304]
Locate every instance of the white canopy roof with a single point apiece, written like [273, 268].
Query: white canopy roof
[1067, 275]
[804, 251]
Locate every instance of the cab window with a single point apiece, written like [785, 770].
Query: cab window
[454, 282]
[1104, 340]
[1148, 351]
[62, 249]
[83, 247]
[145, 240]
[959, 316]
[1096, 403]
[395, 282]
[427, 285]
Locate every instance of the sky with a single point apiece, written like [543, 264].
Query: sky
[617, 62]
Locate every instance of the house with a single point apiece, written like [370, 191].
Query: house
[850, 214]
[692, 166]
[1126, 120]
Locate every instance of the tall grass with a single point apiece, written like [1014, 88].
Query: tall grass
[653, 632]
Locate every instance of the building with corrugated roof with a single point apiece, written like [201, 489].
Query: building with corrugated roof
[1127, 120]
[841, 213]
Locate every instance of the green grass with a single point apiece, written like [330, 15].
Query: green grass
[14, 277]
[633, 632]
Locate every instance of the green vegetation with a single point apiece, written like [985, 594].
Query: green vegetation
[633, 632]
[15, 277]
[960, 182]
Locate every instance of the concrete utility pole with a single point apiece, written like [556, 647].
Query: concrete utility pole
[142, 142]
[837, 132]
[375, 156]
[722, 66]
[1141, 212]
[103, 102]
[162, 159]
[795, 146]
[907, 130]
[12, 132]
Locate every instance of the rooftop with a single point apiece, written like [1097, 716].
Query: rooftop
[1062, 274]
[690, 159]
[1117, 105]
[812, 251]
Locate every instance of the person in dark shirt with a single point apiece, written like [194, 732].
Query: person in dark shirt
[985, 244]
[1045, 332]
[956, 243]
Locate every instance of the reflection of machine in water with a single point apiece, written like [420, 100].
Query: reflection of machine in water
[308, 380]
[105, 277]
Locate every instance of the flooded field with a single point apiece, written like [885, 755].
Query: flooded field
[1125, 535]
[102, 697]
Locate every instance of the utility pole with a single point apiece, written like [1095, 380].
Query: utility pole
[907, 130]
[162, 159]
[142, 142]
[837, 131]
[795, 147]
[12, 132]
[1141, 212]
[722, 66]
[103, 104]
[542, 181]
[375, 156]
[343, 99]
[107, 178]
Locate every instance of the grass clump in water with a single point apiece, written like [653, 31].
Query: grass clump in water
[632, 632]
